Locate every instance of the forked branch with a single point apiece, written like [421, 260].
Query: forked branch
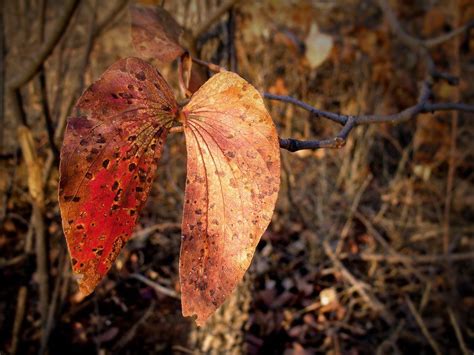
[424, 103]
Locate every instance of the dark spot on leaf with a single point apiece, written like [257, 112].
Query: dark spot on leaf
[83, 142]
[88, 175]
[101, 139]
[201, 285]
[115, 96]
[132, 167]
[126, 95]
[139, 189]
[115, 185]
[130, 87]
[117, 195]
[140, 76]
[105, 163]
[76, 199]
[132, 138]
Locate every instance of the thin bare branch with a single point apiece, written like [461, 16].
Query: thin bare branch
[411, 40]
[418, 259]
[213, 17]
[422, 325]
[337, 142]
[33, 64]
[211, 66]
[156, 286]
[361, 288]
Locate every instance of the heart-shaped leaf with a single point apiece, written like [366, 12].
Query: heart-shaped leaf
[155, 33]
[108, 159]
[233, 177]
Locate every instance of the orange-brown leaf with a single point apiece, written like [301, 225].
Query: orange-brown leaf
[110, 152]
[155, 33]
[233, 177]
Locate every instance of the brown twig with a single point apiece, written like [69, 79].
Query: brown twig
[43, 88]
[452, 163]
[408, 113]
[211, 66]
[19, 317]
[458, 332]
[418, 259]
[423, 104]
[184, 74]
[35, 186]
[31, 66]
[156, 286]
[411, 40]
[131, 333]
[360, 287]
[421, 324]
[63, 265]
[337, 142]
[213, 17]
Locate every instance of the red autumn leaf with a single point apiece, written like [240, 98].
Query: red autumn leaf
[109, 156]
[155, 33]
[233, 177]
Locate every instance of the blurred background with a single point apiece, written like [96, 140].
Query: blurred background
[370, 249]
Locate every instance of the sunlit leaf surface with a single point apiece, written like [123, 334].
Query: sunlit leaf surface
[233, 177]
[108, 159]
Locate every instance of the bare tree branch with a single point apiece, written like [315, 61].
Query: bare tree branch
[337, 142]
[413, 41]
[213, 17]
[423, 104]
[33, 64]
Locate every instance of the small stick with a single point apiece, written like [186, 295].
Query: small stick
[360, 287]
[422, 326]
[458, 332]
[213, 17]
[211, 66]
[155, 286]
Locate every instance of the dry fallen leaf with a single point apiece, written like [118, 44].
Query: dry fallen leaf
[318, 46]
